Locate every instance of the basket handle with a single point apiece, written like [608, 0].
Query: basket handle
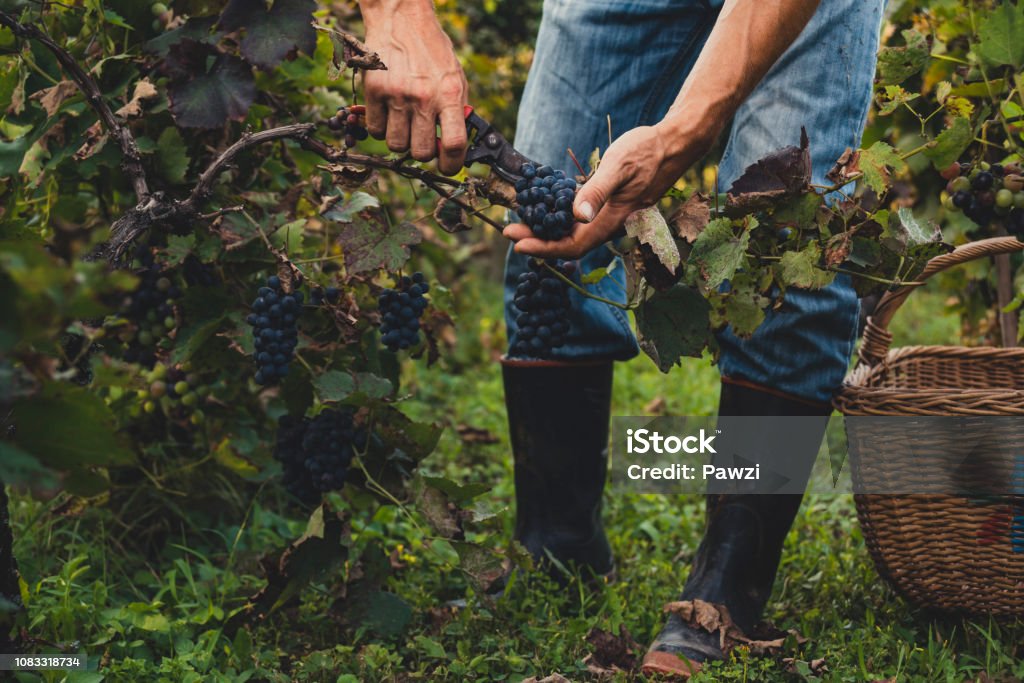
[877, 337]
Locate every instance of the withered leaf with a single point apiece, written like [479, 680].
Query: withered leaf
[450, 216]
[690, 219]
[782, 173]
[51, 98]
[612, 653]
[144, 90]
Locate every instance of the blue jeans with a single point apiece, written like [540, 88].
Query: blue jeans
[627, 59]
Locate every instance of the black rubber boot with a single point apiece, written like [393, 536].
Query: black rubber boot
[738, 557]
[558, 417]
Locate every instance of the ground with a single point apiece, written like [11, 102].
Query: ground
[161, 618]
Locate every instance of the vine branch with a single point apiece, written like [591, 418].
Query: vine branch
[132, 161]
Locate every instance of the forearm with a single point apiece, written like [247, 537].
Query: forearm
[748, 38]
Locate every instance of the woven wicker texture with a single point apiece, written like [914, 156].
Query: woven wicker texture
[955, 554]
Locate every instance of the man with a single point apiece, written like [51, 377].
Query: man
[671, 74]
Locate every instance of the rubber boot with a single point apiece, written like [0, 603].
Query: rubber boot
[558, 417]
[738, 557]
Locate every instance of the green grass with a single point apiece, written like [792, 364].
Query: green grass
[161, 618]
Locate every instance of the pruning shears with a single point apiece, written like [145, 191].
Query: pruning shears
[488, 146]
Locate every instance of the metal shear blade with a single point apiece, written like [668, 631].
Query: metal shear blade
[488, 146]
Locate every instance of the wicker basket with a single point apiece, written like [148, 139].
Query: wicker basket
[942, 552]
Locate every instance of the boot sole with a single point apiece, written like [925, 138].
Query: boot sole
[668, 664]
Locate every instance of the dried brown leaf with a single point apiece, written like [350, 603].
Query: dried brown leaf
[144, 90]
[690, 219]
[51, 98]
[612, 653]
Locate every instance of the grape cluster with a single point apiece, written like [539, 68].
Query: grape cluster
[545, 198]
[350, 122]
[401, 310]
[275, 331]
[330, 443]
[542, 300]
[175, 391]
[150, 308]
[289, 452]
[986, 193]
[315, 455]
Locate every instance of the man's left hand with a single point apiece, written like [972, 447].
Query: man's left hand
[634, 173]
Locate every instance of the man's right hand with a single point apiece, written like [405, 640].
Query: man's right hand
[423, 83]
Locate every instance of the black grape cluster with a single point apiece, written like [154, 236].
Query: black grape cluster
[350, 122]
[986, 193]
[542, 300]
[401, 310]
[545, 198]
[275, 331]
[151, 308]
[315, 455]
[289, 452]
[330, 444]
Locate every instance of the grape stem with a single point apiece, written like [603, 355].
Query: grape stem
[582, 290]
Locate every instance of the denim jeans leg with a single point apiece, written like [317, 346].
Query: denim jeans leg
[823, 83]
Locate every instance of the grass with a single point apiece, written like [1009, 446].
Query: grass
[162, 618]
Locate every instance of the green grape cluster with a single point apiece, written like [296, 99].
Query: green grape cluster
[176, 392]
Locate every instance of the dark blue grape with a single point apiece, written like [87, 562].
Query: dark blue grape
[542, 300]
[273, 330]
[400, 312]
[545, 198]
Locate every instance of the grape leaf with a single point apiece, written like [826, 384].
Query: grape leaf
[483, 565]
[893, 97]
[66, 426]
[649, 227]
[718, 253]
[196, 29]
[782, 173]
[673, 324]
[897, 64]
[372, 245]
[1001, 35]
[800, 268]
[209, 91]
[178, 248]
[742, 308]
[172, 156]
[271, 34]
[690, 219]
[904, 231]
[347, 209]
[373, 386]
[951, 143]
[334, 385]
[873, 163]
